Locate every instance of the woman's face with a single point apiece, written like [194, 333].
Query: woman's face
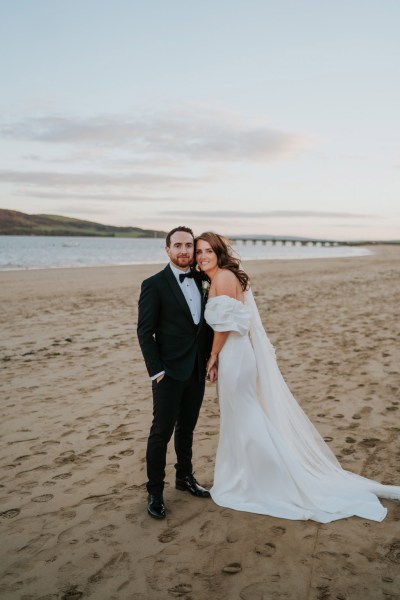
[205, 256]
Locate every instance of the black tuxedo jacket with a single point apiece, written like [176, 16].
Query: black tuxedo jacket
[168, 337]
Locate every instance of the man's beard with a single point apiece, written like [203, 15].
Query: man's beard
[182, 261]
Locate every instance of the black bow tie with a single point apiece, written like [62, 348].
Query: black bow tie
[189, 274]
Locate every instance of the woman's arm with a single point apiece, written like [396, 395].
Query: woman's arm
[225, 284]
[219, 341]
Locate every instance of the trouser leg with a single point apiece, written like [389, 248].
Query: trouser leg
[166, 401]
[188, 414]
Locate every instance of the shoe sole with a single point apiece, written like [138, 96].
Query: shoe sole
[156, 516]
[183, 488]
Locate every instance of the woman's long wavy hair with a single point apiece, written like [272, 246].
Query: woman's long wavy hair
[225, 258]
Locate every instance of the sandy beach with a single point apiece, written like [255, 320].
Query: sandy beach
[76, 409]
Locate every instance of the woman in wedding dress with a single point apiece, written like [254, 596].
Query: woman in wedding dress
[270, 458]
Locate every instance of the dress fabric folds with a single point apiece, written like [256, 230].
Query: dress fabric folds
[270, 458]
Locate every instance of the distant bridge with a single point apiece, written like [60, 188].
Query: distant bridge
[294, 241]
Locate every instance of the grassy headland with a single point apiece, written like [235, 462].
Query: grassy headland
[13, 222]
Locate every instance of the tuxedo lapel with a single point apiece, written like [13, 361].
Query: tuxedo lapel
[202, 299]
[175, 288]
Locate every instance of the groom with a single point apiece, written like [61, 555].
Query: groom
[176, 343]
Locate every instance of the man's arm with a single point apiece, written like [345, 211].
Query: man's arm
[149, 308]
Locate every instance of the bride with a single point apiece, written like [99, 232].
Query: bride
[270, 458]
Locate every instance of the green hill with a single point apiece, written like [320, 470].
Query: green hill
[13, 222]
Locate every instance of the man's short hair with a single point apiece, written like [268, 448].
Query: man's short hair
[180, 228]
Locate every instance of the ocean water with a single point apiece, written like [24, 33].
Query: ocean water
[37, 252]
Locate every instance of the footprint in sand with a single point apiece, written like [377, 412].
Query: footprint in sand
[331, 555]
[105, 507]
[62, 476]
[347, 451]
[369, 442]
[394, 552]
[233, 536]
[180, 590]
[232, 568]
[23, 457]
[112, 467]
[43, 498]
[142, 487]
[167, 536]
[10, 514]
[323, 592]
[72, 593]
[266, 549]
[92, 539]
[66, 514]
[278, 530]
[66, 457]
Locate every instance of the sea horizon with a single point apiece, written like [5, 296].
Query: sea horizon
[52, 252]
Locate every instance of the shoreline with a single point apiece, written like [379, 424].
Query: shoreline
[33, 257]
[161, 263]
[76, 411]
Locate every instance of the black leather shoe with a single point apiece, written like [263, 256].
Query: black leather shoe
[190, 484]
[156, 507]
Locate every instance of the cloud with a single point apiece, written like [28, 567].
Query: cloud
[109, 197]
[197, 135]
[277, 214]
[52, 179]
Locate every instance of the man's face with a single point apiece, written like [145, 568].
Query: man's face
[181, 249]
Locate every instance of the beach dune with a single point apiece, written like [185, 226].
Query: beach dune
[76, 409]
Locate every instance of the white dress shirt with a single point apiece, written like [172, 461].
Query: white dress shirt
[190, 291]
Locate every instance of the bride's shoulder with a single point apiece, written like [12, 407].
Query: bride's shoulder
[224, 283]
[224, 275]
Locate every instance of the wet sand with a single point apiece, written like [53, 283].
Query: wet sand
[76, 409]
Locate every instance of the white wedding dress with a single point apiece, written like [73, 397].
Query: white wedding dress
[270, 459]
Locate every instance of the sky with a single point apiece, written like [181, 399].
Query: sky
[274, 117]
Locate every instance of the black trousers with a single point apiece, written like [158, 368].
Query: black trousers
[176, 405]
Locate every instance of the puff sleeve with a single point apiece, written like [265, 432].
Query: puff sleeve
[227, 314]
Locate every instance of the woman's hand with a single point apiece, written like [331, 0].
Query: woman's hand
[212, 375]
[212, 364]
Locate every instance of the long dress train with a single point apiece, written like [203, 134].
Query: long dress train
[270, 458]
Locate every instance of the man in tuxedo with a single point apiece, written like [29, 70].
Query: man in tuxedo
[176, 343]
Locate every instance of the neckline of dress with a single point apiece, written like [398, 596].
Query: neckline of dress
[225, 296]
